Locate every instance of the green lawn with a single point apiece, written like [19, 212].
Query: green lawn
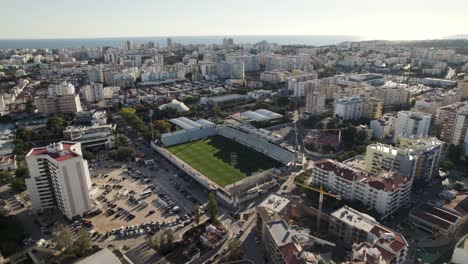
[214, 158]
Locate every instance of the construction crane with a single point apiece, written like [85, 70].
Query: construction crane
[321, 192]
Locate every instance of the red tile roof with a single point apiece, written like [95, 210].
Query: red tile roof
[435, 216]
[459, 205]
[289, 252]
[67, 152]
[388, 184]
[396, 244]
[339, 169]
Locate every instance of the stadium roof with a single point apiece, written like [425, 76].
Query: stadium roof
[226, 98]
[186, 123]
[260, 115]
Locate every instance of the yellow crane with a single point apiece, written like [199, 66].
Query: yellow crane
[321, 192]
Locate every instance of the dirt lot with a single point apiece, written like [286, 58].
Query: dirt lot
[112, 192]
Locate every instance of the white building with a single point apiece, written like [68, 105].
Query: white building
[418, 158]
[460, 128]
[59, 179]
[60, 104]
[63, 88]
[412, 123]
[371, 242]
[348, 108]
[93, 92]
[385, 192]
[383, 127]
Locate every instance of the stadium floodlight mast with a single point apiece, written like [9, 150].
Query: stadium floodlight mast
[151, 124]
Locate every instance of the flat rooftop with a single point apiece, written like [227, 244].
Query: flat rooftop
[384, 148]
[355, 218]
[275, 203]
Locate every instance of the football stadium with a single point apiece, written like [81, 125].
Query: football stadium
[222, 160]
[237, 161]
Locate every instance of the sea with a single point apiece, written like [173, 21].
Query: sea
[312, 40]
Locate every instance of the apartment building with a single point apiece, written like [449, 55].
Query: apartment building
[273, 77]
[314, 103]
[95, 75]
[418, 158]
[392, 95]
[283, 243]
[93, 92]
[427, 154]
[383, 127]
[59, 179]
[412, 123]
[294, 80]
[349, 108]
[460, 128]
[445, 119]
[385, 191]
[59, 104]
[371, 108]
[62, 88]
[367, 238]
[463, 86]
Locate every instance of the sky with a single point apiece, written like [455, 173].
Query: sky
[369, 19]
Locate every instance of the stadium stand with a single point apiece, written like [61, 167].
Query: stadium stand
[192, 130]
[259, 142]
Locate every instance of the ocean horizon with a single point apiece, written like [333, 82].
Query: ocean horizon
[312, 40]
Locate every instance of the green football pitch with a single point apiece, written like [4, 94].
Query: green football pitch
[222, 160]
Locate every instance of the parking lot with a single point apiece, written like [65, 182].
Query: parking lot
[128, 204]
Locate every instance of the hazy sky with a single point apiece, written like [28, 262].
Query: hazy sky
[371, 19]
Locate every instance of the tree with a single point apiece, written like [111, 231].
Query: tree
[162, 126]
[63, 238]
[197, 215]
[447, 165]
[121, 141]
[82, 245]
[361, 137]
[348, 135]
[87, 155]
[4, 175]
[153, 242]
[331, 124]
[170, 238]
[18, 185]
[22, 172]
[125, 153]
[163, 248]
[11, 234]
[29, 106]
[234, 251]
[213, 208]
[319, 125]
[57, 124]
[216, 110]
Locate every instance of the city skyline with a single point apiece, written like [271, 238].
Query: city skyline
[401, 21]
